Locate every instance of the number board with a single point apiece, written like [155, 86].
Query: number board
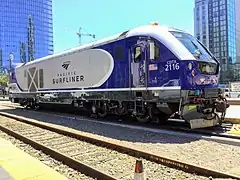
[171, 65]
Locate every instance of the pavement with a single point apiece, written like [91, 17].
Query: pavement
[233, 114]
[4, 99]
[235, 130]
[17, 164]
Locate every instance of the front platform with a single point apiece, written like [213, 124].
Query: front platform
[18, 165]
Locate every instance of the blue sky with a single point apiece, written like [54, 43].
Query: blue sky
[108, 17]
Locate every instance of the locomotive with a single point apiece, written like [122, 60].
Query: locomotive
[152, 72]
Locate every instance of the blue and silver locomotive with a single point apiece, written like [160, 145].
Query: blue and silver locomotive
[152, 72]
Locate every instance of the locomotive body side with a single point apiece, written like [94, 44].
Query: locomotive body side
[126, 75]
[149, 72]
[73, 71]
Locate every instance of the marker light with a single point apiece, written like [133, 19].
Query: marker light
[193, 73]
[154, 23]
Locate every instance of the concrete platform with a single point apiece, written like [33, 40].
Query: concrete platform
[235, 130]
[4, 99]
[18, 165]
[4, 175]
[233, 114]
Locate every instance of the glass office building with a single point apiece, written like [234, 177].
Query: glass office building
[215, 26]
[26, 30]
[237, 5]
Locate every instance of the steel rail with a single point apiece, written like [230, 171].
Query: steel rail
[83, 168]
[163, 127]
[115, 145]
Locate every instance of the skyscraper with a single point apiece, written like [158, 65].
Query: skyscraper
[26, 30]
[237, 5]
[215, 26]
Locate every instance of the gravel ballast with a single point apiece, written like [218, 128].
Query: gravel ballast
[197, 151]
[110, 161]
[70, 173]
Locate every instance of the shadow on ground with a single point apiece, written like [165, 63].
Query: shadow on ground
[106, 130]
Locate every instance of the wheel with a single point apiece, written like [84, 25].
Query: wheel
[102, 110]
[22, 103]
[155, 119]
[121, 111]
[93, 112]
[99, 109]
[36, 107]
[144, 117]
[157, 116]
[163, 118]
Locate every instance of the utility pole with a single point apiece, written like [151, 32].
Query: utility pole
[30, 39]
[11, 59]
[82, 34]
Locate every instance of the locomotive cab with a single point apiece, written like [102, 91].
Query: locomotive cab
[200, 95]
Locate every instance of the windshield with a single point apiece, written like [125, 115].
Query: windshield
[193, 45]
[207, 68]
[207, 63]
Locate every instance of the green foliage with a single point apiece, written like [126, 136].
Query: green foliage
[3, 79]
[23, 52]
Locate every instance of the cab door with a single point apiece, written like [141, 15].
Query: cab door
[138, 63]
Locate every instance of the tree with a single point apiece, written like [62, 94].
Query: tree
[23, 57]
[4, 80]
[31, 39]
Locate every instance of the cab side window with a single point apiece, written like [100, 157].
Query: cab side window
[137, 54]
[154, 50]
[157, 52]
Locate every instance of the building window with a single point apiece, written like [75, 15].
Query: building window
[224, 61]
[222, 2]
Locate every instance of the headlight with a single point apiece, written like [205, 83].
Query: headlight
[189, 66]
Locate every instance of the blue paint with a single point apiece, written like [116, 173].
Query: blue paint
[121, 78]
[189, 79]
[170, 71]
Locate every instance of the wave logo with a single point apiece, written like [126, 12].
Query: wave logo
[66, 64]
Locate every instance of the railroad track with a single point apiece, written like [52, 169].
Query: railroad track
[81, 151]
[219, 131]
[234, 101]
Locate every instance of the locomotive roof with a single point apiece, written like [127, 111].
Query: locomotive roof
[160, 33]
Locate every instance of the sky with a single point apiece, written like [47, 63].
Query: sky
[108, 17]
